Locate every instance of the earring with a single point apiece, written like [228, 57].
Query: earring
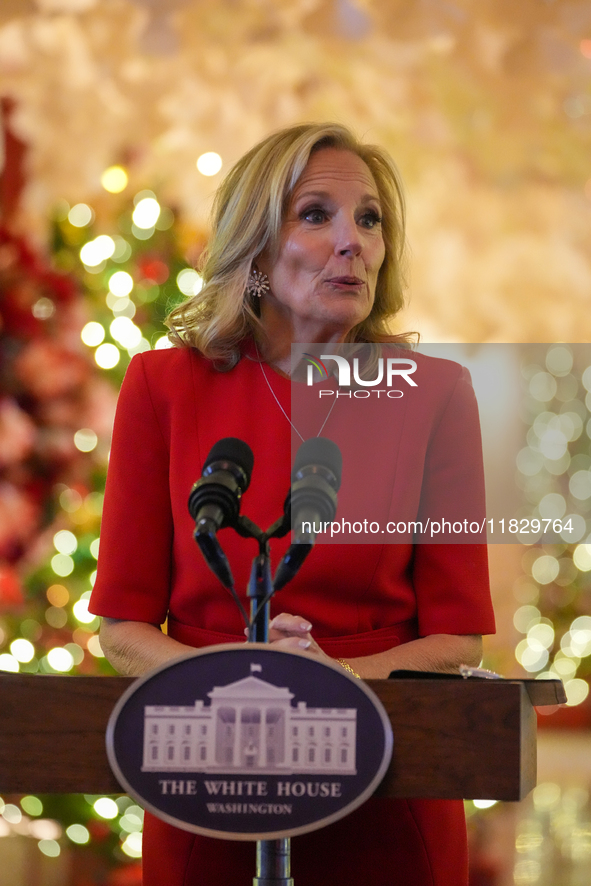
[258, 283]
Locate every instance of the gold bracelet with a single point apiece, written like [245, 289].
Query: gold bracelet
[347, 667]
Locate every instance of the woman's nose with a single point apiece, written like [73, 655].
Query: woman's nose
[348, 240]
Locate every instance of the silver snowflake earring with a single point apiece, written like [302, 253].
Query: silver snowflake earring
[258, 283]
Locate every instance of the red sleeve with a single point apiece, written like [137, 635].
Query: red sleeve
[451, 580]
[134, 567]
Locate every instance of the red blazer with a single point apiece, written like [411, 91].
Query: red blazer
[360, 598]
[174, 406]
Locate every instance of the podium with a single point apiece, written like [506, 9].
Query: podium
[453, 738]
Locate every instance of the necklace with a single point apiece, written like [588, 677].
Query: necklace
[279, 404]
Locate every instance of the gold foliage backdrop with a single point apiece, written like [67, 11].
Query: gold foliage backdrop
[486, 107]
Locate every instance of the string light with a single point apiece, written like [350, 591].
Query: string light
[107, 356]
[92, 334]
[145, 215]
[97, 251]
[114, 179]
[81, 613]
[51, 848]
[9, 663]
[106, 808]
[23, 650]
[77, 833]
[85, 440]
[65, 541]
[62, 564]
[209, 163]
[120, 283]
[80, 215]
[189, 281]
[555, 475]
[60, 659]
[125, 332]
[32, 805]
[132, 845]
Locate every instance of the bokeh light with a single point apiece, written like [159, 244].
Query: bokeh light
[107, 356]
[98, 250]
[124, 331]
[106, 808]
[545, 569]
[9, 663]
[189, 281]
[120, 283]
[23, 650]
[92, 334]
[56, 616]
[94, 647]
[145, 215]
[60, 659]
[45, 829]
[85, 440]
[80, 215]
[576, 690]
[123, 250]
[65, 542]
[114, 179]
[62, 564]
[546, 796]
[78, 833]
[209, 163]
[543, 387]
[582, 557]
[132, 845]
[525, 617]
[80, 610]
[51, 848]
[32, 805]
[12, 813]
[559, 360]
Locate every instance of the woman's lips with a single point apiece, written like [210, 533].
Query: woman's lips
[346, 281]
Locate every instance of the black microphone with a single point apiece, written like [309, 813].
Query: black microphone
[214, 501]
[316, 478]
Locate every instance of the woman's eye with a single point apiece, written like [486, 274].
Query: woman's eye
[316, 216]
[370, 219]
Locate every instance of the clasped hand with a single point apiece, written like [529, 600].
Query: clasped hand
[292, 632]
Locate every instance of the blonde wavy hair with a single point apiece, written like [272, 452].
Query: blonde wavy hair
[247, 215]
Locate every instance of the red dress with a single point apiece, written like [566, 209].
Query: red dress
[361, 599]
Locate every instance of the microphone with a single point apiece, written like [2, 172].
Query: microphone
[214, 501]
[316, 478]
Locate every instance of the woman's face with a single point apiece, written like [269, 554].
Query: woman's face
[331, 249]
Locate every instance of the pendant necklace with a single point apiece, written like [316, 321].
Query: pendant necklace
[275, 397]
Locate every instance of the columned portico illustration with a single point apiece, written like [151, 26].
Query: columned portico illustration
[249, 726]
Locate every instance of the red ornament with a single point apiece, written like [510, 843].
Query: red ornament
[153, 270]
[11, 596]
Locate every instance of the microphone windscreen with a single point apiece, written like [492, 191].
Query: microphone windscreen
[320, 452]
[233, 450]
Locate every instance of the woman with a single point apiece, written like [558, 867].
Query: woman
[307, 246]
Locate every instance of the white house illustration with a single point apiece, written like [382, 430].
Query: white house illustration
[249, 727]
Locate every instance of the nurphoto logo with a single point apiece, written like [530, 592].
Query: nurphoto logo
[388, 371]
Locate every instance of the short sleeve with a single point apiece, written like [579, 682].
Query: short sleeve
[451, 580]
[134, 566]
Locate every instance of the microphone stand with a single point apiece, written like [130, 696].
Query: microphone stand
[273, 865]
[273, 857]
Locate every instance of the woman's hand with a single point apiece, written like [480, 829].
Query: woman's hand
[292, 632]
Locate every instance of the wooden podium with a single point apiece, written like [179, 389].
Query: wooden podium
[453, 738]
